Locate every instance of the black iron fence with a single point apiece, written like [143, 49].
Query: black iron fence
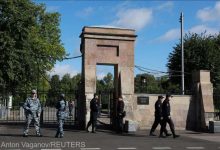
[216, 114]
[105, 98]
[11, 110]
[216, 98]
[16, 114]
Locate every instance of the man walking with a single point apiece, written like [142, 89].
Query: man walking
[94, 106]
[158, 116]
[32, 108]
[167, 117]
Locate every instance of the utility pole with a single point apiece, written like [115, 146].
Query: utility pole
[182, 54]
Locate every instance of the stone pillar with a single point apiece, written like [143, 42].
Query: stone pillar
[127, 90]
[204, 99]
[107, 46]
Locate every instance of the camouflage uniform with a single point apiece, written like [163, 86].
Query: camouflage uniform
[32, 109]
[61, 116]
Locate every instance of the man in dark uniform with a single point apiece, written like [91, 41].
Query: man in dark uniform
[94, 106]
[158, 116]
[167, 117]
[120, 114]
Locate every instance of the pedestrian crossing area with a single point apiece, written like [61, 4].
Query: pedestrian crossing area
[154, 148]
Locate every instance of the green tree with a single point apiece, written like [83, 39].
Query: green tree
[54, 91]
[149, 86]
[29, 43]
[201, 52]
[154, 85]
[75, 83]
[65, 83]
[105, 84]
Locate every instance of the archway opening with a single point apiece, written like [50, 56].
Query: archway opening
[106, 85]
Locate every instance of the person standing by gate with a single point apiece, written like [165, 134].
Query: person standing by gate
[61, 115]
[120, 115]
[158, 116]
[32, 109]
[94, 107]
[167, 117]
[71, 106]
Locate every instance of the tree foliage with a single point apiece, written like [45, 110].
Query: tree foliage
[67, 85]
[154, 85]
[105, 84]
[29, 42]
[201, 52]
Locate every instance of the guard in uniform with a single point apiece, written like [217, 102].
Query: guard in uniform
[167, 117]
[120, 115]
[32, 109]
[94, 107]
[61, 115]
[158, 116]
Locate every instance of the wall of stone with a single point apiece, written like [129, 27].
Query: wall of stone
[181, 111]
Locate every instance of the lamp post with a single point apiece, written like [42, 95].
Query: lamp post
[143, 82]
[182, 54]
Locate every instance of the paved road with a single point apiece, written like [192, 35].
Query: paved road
[11, 138]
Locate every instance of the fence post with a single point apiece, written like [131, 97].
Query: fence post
[42, 117]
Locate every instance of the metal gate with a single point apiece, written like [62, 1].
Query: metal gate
[107, 111]
[216, 98]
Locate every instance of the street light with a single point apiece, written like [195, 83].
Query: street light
[143, 82]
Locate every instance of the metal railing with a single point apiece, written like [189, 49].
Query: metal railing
[16, 114]
[13, 114]
[213, 115]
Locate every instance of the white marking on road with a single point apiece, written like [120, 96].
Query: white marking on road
[195, 148]
[90, 148]
[161, 148]
[126, 148]
[51, 149]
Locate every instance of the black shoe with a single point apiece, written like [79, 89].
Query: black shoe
[176, 136]
[168, 134]
[162, 136]
[56, 136]
[93, 132]
[61, 136]
[152, 134]
[25, 135]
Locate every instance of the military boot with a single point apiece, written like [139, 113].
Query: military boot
[57, 135]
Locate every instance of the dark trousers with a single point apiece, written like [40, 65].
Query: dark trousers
[120, 125]
[164, 123]
[93, 120]
[155, 124]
